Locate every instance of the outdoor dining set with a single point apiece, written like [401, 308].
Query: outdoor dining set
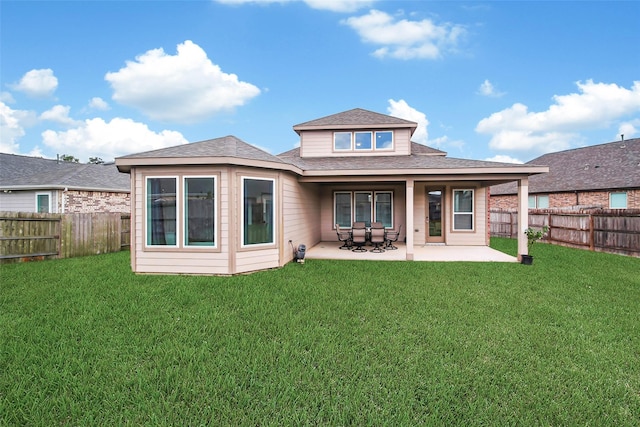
[355, 238]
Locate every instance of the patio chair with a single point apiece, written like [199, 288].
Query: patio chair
[377, 236]
[344, 235]
[358, 237]
[391, 236]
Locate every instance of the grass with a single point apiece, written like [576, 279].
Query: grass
[86, 342]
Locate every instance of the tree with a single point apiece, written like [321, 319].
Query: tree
[69, 158]
[96, 160]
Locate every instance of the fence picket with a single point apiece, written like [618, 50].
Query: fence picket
[605, 230]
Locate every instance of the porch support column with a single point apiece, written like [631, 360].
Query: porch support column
[409, 221]
[523, 216]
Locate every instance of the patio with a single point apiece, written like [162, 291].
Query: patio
[329, 250]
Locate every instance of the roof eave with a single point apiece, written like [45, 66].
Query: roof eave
[125, 164]
[300, 128]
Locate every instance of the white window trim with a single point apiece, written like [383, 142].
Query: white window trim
[355, 143]
[146, 213]
[393, 140]
[350, 143]
[49, 197]
[215, 213]
[473, 210]
[626, 199]
[273, 213]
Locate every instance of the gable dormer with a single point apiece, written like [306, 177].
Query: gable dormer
[355, 133]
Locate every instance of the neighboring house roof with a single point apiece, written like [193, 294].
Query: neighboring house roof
[35, 173]
[615, 165]
[224, 150]
[357, 118]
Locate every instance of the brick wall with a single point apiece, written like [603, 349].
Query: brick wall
[570, 199]
[95, 202]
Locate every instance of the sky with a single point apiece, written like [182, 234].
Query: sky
[487, 80]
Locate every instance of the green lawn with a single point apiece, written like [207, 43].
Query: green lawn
[86, 342]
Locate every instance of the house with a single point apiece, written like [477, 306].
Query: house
[604, 176]
[34, 184]
[223, 206]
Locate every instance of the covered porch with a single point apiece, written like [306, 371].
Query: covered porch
[426, 252]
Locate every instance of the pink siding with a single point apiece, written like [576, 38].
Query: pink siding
[320, 144]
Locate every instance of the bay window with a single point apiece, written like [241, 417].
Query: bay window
[161, 211]
[196, 202]
[258, 211]
[199, 211]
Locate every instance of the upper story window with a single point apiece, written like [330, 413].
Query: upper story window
[342, 141]
[384, 140]
[363, 141]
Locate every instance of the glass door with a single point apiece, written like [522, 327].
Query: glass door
[435, 215]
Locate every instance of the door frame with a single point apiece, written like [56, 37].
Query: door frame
[435, 239]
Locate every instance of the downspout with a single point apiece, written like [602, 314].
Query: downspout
[64, 199]
[523, 216]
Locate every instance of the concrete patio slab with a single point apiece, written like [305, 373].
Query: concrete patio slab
[330, 250]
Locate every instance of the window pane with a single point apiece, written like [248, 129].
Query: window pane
[343, 209]
[618, 201]
[342, 141]
[543, 202]
[363, 208]
[42, 201]
[363, 140]
[532, 202]
[199, 227]
[161, 211]
[463, 222]
[384, 140]
[384, 209]
[258, 211]
[463, 209]
[463, 201]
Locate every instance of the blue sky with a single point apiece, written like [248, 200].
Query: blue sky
[505, 81]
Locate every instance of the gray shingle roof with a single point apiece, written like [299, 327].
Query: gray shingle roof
[226, 146]
[356, 117]
[614, 165]
[35, 172]
[413, 161]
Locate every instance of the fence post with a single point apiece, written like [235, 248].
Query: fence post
[592, 243]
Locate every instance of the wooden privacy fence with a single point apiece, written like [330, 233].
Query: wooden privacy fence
[27, 236]
[606, 230]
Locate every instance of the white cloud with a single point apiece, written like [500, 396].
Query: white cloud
[98, 103]
[37, 83]
[487, 89]
[504, 159]
[402, 110]
[629, 129]
[12, 125]
[186, 87]
[405, 39]
[597, 105]
[59, 114]
[332, 5]
[107, 140]
[7, 98]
